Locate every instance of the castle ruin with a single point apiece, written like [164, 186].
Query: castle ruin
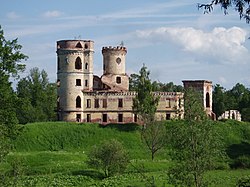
[85, 97]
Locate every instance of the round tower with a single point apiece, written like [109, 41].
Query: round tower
[74, 75]
[114, 68]
[114, 60]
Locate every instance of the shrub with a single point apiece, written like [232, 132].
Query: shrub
[110, 157]
[243, 181]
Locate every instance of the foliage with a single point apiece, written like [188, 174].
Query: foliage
[37, 98]
[154, 136]
[166, 87]
[243, 181]
[110, 157]
[145, 103]
[237, 98]
[10, 57]
[195, 144]
[241, 6]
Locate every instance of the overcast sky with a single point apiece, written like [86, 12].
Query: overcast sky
[172, 38]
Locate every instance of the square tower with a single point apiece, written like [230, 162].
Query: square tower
[205, 87]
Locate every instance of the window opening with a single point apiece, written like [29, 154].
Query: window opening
[78, 45]
[104, 118]
[120, 118]
[118, 80]
[86, 82]
[104, 103]
[207, 100]
[78, 117]
[88, 103]
[168, 117]
[78, 63]
[78, 82]
[88, 117]
[120, 102]
[78, 102]
[96, 103]
[86, 66]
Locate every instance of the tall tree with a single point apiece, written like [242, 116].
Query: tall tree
[219, 100]
[195, 144]
[37, 97]
[241, 6]
[10, 66]
[145, 103]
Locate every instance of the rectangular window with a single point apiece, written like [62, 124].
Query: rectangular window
[78, 117]
[88, 118]
[96, 103]
[120, 118]
[104, 103]
[168, 116]
[167, 103]
[135, 118]
[118, 80]
[120, 103]
[86, 82]
[88, 103]
[104, 118]
[78, 82]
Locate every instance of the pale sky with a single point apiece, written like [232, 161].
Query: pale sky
[172, 38]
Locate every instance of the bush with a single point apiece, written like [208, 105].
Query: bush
[242, 162]
[243, 181]
[110, 157]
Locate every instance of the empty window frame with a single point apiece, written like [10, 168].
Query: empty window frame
[135, 118]
[78, 82]
[120, 118]
[88, 117]
[168, 116]
[88, 103]
[58, 63]
[104, 103]
[86, 82]
[78, 63]
[96, 103]
[86, 66]
[168, 105]
[118, 80]
[104, 118]
[78, 117]
[78, 102]
[120, 103]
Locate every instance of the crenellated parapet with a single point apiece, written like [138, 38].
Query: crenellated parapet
[114, 50]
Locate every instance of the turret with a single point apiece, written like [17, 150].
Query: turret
[74, 74]
[114, 68]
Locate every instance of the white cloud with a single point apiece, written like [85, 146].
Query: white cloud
[52, 14]
[220, 45]
[13, 15]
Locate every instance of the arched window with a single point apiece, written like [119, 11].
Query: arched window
[86, 66]
[207, 100]
[78, 63]
[78, 102]
[78, 45]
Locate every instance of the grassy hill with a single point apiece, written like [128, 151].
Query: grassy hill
[54, 154]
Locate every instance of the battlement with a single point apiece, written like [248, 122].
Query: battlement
[114, 49]
[75, 44]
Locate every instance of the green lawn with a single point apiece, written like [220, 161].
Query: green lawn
[55, 154]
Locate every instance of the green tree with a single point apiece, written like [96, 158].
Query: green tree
[195, 144]
[154, 136]
[37, 97]
[241, 6]
[219, 100]
[145, 103]
[10, 66]
[110, 157]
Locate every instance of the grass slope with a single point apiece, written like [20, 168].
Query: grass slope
[54, 154]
